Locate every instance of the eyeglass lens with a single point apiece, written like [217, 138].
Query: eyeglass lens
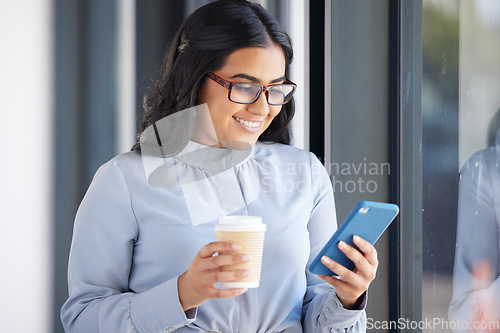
[248, 93]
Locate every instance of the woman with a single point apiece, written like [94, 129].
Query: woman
[142, 257]
[475, 306]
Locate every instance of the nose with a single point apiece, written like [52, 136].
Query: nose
[260, 107]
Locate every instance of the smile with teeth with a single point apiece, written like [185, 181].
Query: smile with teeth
[251, 124]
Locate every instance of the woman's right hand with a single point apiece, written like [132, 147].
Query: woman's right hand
[196, 285]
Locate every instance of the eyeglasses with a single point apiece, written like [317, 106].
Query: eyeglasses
[249, 92]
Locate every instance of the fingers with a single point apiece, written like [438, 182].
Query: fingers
[206, 261]
[356, 257]
[223, 260]
[196, 285]
[225, 293]
[365, 261]
[335, 281]
[193, 293]
[349, 286]
[369, 251]
[210, 249]
[344, 273]
[209, 266]
[218, 276]
[352, 284]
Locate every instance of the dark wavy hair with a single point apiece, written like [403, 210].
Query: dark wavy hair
[201, 45]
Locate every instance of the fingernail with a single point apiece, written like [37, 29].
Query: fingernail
[245, 258]
[356, 238]
[243, 290]
[325, 260]
[236, 247]
[246, 272]
[342, 245]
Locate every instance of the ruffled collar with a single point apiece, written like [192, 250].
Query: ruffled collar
[209, 178]
[213, 159]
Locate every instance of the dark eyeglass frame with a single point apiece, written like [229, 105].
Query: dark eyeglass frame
[229, 86]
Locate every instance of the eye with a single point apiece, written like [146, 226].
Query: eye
[244, 88]
[278, 89]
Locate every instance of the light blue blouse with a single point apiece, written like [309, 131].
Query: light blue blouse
[135, 233]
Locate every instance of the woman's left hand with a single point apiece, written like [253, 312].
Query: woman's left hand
[353, 284]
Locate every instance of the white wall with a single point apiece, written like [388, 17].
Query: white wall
[25, 165]
[127, 80]
[299, 32]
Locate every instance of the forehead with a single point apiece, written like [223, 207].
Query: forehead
[264, 63]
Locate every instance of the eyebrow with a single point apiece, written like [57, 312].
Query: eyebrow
[254, 79]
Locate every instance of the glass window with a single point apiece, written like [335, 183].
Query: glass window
[357, 142]
[460, 174]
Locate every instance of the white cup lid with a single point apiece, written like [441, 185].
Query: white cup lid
[240, 223]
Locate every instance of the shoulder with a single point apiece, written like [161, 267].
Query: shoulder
[127, 159]
[124, 164]
[482, 171]
[486, 159]
[283, 153]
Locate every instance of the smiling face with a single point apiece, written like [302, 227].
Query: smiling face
[244, 123]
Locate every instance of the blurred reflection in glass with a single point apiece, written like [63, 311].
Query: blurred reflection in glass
[475, 306]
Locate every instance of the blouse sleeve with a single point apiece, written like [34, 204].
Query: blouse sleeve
[322, 310]
[477, 238]
[100, 264]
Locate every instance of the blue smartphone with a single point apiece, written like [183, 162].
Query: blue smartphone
[367, 220]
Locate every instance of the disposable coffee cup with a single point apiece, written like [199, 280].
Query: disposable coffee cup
[248, 232]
